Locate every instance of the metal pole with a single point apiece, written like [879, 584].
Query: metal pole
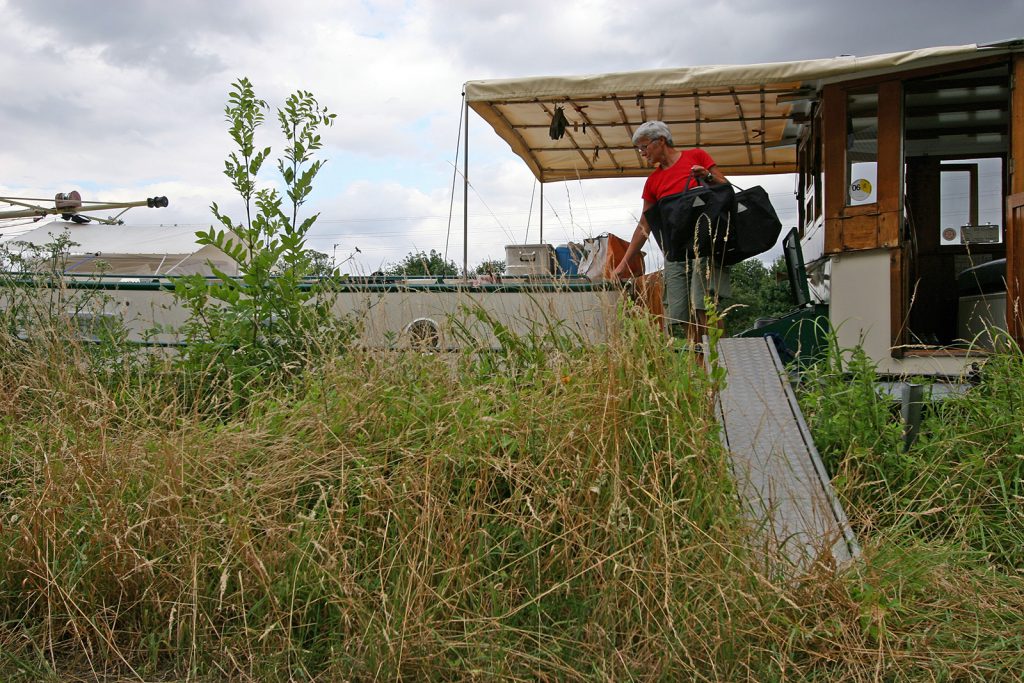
[152, 202]
[911, 401]
[541, 241]
[465, 190]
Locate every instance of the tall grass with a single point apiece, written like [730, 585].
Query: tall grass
[546, 512]
[961, 484]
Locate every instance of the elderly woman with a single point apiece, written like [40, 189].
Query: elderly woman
[687, 281]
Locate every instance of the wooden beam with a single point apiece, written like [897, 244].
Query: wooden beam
[1014, 271]
[899, 283]
[833, 135]
[628, 126]
[568, 134]
[696, 115]
[743, 123]
[601, 144]
[724, 93]
[671, 122]
[890, 159]
[764, 127]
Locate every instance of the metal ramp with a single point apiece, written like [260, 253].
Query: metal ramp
[780, 478]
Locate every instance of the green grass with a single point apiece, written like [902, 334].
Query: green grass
[961, 484]
[543, 513]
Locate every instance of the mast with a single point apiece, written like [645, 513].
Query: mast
[541, 240]
[465, 191]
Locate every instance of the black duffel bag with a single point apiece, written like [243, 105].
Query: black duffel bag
[755, 227]
[716, 221]
[693, 223]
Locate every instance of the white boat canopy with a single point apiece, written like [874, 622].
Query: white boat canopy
[130, 249]
[748, 117]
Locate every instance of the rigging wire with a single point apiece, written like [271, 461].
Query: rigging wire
[489, 210]
[568, 200]
[555, 211]
[586, 206]
[455, 173]
[30, 221]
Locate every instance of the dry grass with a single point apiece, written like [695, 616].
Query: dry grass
[566, 518]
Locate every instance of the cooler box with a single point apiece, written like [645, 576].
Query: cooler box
[529, 259]
[569, 256]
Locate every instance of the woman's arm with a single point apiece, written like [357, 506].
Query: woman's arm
[640, 234]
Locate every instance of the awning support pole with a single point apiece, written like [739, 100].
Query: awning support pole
[541, 241]
[465, 192]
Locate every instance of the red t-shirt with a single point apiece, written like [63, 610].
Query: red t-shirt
[676, 178]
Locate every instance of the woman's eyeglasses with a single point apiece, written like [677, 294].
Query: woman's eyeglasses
[643, 148]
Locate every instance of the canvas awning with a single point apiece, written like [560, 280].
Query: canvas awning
[748, 117]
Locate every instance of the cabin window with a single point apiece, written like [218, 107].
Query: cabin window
[811, 181]
[862, 146]
[956, 130]
[970, 201]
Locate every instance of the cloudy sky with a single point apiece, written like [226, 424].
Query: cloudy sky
[124, 99]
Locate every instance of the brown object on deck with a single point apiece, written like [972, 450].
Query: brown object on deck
[647, 292]
[616, 250]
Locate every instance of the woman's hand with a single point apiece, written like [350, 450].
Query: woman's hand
[700, 173]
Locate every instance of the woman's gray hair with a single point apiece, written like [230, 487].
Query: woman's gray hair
[652, 130]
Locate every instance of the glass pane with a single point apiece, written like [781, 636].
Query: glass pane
[970, 201]
[954, 204]
[862, 147]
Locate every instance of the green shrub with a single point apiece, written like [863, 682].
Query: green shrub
[268, 323]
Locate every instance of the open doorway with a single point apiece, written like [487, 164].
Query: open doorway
[955, 144]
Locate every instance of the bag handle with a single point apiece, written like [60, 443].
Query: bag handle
[701, 182]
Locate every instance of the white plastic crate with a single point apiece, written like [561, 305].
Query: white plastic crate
[529, 259]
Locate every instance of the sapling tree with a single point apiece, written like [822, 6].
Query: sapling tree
[269, 318]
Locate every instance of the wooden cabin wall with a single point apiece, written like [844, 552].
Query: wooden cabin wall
[869, 226]
[881, 225]
[1015, 206]
[1017, 126]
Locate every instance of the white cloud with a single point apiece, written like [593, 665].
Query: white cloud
[125, 98]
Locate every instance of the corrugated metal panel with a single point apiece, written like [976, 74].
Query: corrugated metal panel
[780, 477]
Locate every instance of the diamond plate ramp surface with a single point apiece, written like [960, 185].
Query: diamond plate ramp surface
[780, 478]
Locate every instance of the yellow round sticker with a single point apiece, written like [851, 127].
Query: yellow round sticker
[860, 189]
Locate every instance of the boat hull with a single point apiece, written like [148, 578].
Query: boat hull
[436, 314]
